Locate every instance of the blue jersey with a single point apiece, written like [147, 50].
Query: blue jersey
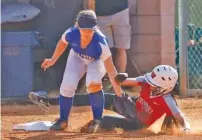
[98, 48]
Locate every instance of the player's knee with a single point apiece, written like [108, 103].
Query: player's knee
[94, 87]
[67, 90]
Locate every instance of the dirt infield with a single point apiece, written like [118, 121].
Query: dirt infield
[16, 114]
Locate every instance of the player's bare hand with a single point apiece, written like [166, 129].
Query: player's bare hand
[47, 63]
[186, 131]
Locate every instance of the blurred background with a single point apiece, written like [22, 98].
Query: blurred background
[163, 32]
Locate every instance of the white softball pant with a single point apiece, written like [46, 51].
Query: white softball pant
[75, 70]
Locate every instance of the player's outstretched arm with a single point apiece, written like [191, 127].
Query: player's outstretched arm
[111, 71]
[183, 122]
[130, 82]
[122, 78]
[177, 114]
[60, 48]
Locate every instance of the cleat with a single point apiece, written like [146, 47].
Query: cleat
[40, 100]
[59, 125]
[94, 126]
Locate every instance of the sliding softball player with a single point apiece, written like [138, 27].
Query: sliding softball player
[156, 99]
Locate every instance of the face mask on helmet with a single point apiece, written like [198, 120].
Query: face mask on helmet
[158, 91]
[163, 78]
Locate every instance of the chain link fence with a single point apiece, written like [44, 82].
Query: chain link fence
[194, 44]
[193, 35]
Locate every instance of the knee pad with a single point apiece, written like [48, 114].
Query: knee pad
[93, 87]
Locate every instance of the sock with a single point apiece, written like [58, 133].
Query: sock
[97, 104]
[65, 107]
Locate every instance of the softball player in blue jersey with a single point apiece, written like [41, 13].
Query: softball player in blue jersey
[89, 54]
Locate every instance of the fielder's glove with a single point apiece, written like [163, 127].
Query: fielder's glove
[125, 106]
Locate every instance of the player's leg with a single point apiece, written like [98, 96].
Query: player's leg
[122, 36]
[120, 59]
[95, 73]
[109, 122]
[105, 23]
[75, 69]
[45, 103]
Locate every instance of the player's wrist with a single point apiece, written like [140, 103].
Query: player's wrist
[53, 59]
[119, 93]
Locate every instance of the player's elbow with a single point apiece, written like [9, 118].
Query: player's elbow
[62, 43]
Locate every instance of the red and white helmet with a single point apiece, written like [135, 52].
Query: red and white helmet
[163, 76]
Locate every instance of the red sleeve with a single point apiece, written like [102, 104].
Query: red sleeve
[145, 90]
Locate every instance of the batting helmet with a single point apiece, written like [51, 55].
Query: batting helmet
[163, 76]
